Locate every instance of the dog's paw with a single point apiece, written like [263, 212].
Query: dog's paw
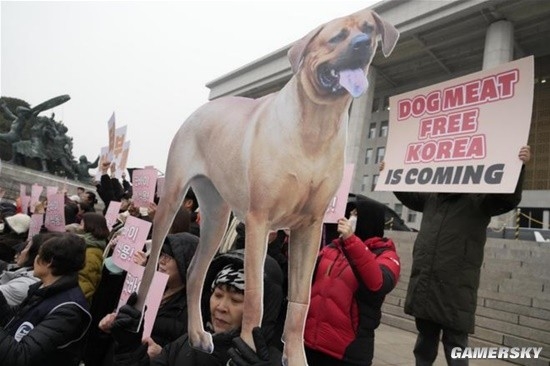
[202, 341]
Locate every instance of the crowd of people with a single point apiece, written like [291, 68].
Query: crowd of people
[59, 291]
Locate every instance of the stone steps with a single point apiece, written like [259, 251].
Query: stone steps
[513, 298]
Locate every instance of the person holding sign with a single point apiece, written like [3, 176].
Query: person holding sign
[447, 257]
[352, 277]
[95, 234]
[223, 298]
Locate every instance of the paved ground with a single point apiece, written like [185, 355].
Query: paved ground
[394, 346]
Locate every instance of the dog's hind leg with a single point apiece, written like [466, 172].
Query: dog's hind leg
[303, 250]
[214, 218]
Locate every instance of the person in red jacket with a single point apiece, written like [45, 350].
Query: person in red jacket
[352, 277]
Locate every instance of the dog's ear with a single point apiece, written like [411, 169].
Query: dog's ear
[296, 52]
[388, 33]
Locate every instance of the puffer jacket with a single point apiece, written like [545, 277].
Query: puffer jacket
[90, 275]
[350, 283]
[448, 253]
[14, 284]
[180, 352]
[47, 328]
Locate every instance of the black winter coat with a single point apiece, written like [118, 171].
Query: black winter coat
[179, 352]
[50, 325]
[448, 253]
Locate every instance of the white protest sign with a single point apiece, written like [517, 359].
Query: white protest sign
[462, 135]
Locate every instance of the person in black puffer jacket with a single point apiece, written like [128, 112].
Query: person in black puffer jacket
[49, 325]
[224, 283]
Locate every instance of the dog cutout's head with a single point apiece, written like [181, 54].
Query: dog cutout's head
[332, 61]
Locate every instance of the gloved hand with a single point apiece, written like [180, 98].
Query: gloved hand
[242, 355]
[125, 327]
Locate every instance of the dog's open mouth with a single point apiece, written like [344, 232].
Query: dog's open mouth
[352, 80]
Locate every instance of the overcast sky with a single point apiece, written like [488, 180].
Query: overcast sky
[148, 62]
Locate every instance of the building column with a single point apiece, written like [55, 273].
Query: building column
[359, 118]
[545, 219]
[499, 44]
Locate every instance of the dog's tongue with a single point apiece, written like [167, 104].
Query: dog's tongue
[354, 81]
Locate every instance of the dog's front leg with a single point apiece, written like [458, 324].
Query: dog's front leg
[255, 249]
[303, 250]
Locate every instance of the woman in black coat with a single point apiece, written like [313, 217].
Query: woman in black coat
[49, 325]
[223, 272]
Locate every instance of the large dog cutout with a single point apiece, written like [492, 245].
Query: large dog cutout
[276, 162]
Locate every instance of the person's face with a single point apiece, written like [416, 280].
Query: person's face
[86, 198]
[40, 268]
[168, 265]
[226, 308]
[20, 258]
[124, 204]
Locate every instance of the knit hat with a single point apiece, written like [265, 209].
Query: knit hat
[230, 275]
[19, 223]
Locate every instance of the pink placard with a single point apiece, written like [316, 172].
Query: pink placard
[103, 158]
[37, 220]
[22, 190]
[462, 135]
[143, 186]
[111, 128]
[111, 215]
[25, 202]
[133, 236]
[51, 190]
[337, 206]
[36, 191]
[55, 213]
[153, 297]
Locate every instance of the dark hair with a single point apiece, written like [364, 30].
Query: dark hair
[190, 195]
[96, 225]
[181, 222]
[36, 242]
[66, 253]
[71, 210]
[92, 197]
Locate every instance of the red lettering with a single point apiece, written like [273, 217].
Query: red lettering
[453, 97]
[404, 109]
[433, 102]
[472, 92]
[444, 152]
[459, 151]
[412, 155]
[477, 147]
[488, 90]
[506, 82]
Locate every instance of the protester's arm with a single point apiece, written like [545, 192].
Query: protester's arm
[413, 200]
[497, 204]
[127, 334]
[362, 261]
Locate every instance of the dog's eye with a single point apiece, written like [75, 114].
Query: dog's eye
[340, 36]
[367, 28]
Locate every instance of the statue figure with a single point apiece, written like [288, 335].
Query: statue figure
[44, 141]
[22, 114]
[83, 166]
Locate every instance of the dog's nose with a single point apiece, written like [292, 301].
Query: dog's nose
[360, 42]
